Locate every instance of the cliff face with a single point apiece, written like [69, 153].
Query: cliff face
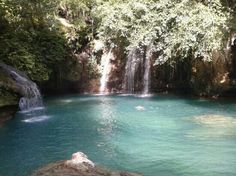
[190, 75]
[211, 78]
[195, 76]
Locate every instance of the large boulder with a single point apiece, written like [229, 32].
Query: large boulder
[9, 96]
[78, 165]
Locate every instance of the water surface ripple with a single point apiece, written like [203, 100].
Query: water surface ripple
[155, 136]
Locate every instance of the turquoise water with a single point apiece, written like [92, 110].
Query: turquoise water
[155, 136]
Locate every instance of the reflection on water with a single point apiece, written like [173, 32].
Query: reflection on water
[158, 135]
[106, 117]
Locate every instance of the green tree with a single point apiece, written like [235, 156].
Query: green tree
[175, 29]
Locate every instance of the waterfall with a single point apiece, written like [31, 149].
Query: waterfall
[31, 97]
[105, 64]
[137, 67]
[133, 60]
[147, 68]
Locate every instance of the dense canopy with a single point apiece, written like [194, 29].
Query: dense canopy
[33, 37]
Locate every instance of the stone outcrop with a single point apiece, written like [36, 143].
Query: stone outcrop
[9, 96]
[78, 165]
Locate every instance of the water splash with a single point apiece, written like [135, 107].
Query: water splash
[105, 63]
[36, 119]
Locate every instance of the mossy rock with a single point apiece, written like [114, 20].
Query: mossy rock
[7, 98]
[8, 95]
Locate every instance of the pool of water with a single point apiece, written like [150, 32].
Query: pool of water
[161, 135]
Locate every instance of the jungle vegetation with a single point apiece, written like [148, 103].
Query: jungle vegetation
[40, 37]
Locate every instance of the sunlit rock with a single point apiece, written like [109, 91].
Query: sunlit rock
[78, 165]
[79, 159]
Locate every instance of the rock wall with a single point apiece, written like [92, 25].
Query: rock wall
[195, 76]
[211, 78]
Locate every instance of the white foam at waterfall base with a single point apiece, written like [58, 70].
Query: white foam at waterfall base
[36, 119]
[32, 110]
[144, 95]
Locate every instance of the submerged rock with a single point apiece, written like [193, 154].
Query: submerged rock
[215, 120]
[213, 126]
[78, 165]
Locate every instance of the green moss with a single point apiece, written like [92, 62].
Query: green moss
[7, 98]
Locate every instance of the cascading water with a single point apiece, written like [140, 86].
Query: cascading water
[138, 62]
[106, 68]
[133, 60]
[146, 76]
[31, 97]
[31, 103]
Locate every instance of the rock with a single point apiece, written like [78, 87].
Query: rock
[214, 120]
[9, 96]
[78, 165]
[79, 160]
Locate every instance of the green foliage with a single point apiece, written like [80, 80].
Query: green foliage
[34, 40]
[78, 15]
[174, 29]
[30, 40]
[29, 14]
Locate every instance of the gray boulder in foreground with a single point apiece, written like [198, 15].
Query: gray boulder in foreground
[78, 165]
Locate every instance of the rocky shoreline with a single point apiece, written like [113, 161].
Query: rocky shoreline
[78, 165]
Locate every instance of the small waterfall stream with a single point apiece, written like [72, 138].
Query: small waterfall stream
[147, 68]
[31, 97]
[106, 67]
